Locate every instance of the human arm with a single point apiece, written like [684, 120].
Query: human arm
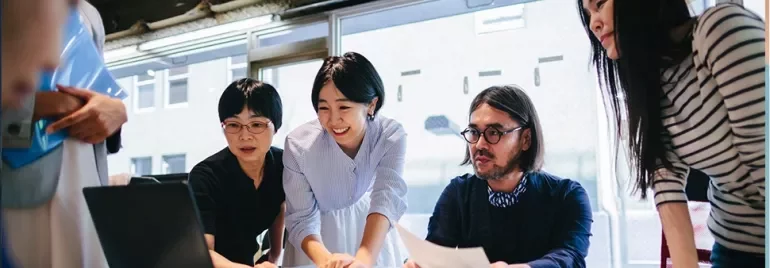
[569, 242]
[388, 201]
[204, 185]
[218, 260]
[17, 123]
[671, 202]
[731, 42]
[302, 219]
[276, 236]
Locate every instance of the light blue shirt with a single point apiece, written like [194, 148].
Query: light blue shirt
[318, 176]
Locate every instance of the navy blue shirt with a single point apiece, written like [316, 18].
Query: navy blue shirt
[549, 226]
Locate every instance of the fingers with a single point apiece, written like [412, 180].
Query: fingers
[411, 264]
[69, 120]
[343, 263]
[80, 93]
[88, 132]
[265, 265]
[499, 265]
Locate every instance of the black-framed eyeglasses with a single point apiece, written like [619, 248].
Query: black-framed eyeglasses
[491, 134]
[252, 127]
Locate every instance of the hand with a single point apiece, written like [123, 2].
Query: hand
[411, 264]
[55, 104]
[99, 118]
[505, 265]
[499, 265]
[338, 260]
[273, 257]
[266, 264]
[357, 264]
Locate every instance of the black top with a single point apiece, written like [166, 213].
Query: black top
[549, 226]
[232, 210]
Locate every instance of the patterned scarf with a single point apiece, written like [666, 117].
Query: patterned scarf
[504, 200]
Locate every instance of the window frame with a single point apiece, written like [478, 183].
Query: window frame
[167, 90]
[234, 66]
[137, 96]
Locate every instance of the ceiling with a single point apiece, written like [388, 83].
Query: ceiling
[119, 15]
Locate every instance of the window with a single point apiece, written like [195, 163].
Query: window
[174, 164]
[237, 68]
[144, 99]
[141, 166]
[176, 93]
[295, 96]
[757, 6]
[461, 51]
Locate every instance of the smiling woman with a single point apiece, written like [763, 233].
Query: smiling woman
[344, 173]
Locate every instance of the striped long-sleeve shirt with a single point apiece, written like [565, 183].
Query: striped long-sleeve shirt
[713, 114]
[318, 176]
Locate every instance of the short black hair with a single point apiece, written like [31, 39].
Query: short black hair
[261, 98]
[512, 100]
[354, 76]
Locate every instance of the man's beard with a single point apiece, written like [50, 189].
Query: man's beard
[497, 172]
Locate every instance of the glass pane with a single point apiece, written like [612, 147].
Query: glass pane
[177, 91]
[207, 75]
[141, 166]
[146, 96]
[238, 59]
[174, 164]
[150, 75]
[757, 6]
[448, 52]
[294, 35]
[177, 70]
[238, 73]
[295, 94]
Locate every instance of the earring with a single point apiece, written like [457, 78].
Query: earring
[370, 117]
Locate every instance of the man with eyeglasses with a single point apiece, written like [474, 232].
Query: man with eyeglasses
[521, 216]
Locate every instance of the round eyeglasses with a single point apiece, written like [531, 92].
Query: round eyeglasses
[252, 127]
[491, 134]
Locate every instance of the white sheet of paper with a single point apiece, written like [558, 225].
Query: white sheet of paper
[429, 255]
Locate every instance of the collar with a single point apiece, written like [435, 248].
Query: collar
[504, 200]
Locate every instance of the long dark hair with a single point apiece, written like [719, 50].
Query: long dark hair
[631, 85]
[512, 100]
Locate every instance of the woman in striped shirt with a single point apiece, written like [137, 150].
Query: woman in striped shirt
[343, 173]
[694, 92]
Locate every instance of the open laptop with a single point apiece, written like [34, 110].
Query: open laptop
[148, 225]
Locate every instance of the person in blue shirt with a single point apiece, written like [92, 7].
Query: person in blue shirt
[520, 215]
[343, 173]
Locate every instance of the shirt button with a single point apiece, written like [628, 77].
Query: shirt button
[14, 129]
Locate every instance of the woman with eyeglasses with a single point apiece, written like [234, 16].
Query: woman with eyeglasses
[239, 190]
[343, 175]
[690, 94]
